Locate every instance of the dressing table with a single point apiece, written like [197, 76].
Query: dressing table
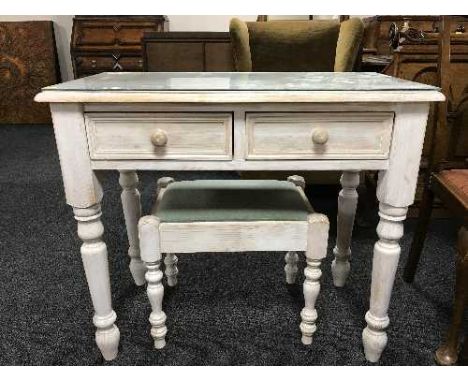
[348, 122]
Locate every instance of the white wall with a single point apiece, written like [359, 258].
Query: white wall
[63, 28]
[214, 23]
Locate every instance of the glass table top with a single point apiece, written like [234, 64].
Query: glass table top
[239, 81]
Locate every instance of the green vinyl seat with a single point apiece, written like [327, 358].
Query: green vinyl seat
[231, 200]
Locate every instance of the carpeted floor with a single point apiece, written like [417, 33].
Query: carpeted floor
[227, 309]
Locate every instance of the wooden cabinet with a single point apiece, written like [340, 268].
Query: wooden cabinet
[110, 43]
[188, 52]
[417, 61]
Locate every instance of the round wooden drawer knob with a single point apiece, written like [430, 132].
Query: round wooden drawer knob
[159, 138]
[319, 136]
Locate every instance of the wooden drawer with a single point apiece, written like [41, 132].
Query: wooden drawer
[318, 135]
[109, 62]
[113, 31]
[183, 136]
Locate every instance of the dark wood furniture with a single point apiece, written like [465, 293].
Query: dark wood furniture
[377, 27]
[417, 61]
[28, 62]
[187, 52]
[110, 43]
[446, 177]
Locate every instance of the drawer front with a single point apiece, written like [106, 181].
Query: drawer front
[318, 135]
[183, 136]
[116, 62]
[112, 33]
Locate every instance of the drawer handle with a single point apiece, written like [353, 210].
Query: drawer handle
[159, 138]
[320, 136]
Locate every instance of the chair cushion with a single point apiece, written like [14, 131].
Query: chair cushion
[299, 46]
[232, 200]
[296, 46]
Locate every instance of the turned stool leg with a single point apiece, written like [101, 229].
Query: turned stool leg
[171, 271]
[148, 228]
[94, 256]
[132, 212]
[292, 257]
[347, 203]
[447, 354]
[317, 240]
[291, 269]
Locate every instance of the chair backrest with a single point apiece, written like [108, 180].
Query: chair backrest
[304, 45]
[450, 139]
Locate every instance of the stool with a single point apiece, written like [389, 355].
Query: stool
[232, 216]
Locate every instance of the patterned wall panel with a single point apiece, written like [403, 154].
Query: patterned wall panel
[28, 62]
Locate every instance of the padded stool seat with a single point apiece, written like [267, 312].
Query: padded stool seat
[232, 200]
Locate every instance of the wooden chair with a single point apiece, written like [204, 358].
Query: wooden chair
[232, 216]
[446, 178]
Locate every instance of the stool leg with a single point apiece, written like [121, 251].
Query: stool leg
[317, 241]
[155, 293]
[132, 211]
[347, 203]
[312, 274]
[291, 268]
[171, 271]
[292, 257]
[148, 228]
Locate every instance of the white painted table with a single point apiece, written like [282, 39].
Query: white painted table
[241, 121]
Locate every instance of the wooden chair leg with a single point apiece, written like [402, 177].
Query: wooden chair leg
[447, 354]
[419, 235]
[463, 359]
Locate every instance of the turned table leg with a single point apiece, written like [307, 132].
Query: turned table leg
[132, 213]
[148, 228]
[447, 354]
[347, 203]
[385, 262]
[395, 191]
[317, 242]
[94, 256]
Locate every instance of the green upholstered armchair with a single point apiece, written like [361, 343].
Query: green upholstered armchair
[299, 46]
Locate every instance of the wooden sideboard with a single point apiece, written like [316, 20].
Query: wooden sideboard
[110, 43]
[187, 52]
